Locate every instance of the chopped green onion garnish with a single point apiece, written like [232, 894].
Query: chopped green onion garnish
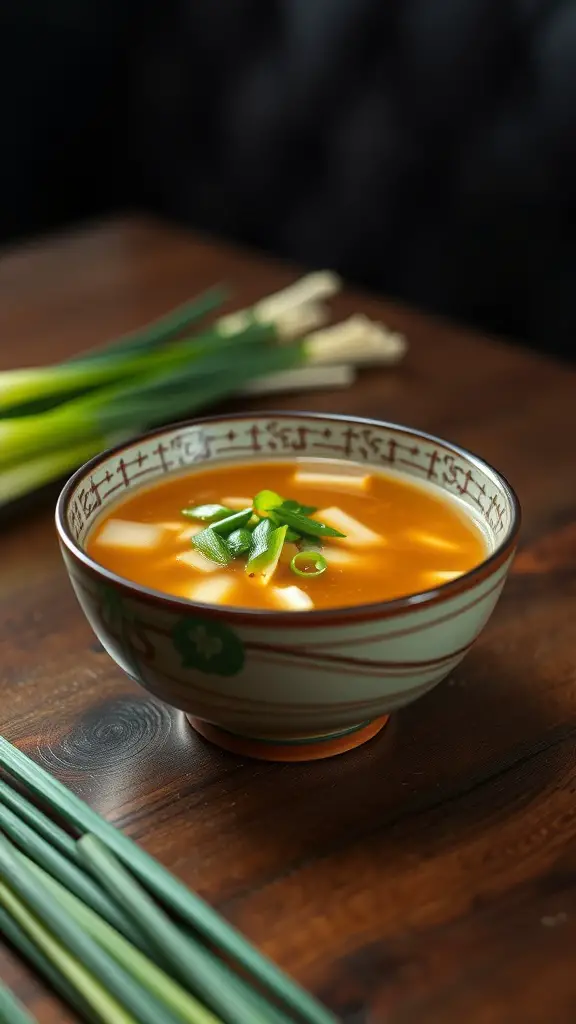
[264, 564]
[234, 522]
[292, 536]
[308, 527]
[239, 542]
[260, 538]
[295, 506]
[265, 501]
[308, 563]
[212, 546]
[207, 513]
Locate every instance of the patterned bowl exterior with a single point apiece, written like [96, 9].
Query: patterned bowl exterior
[284, 674]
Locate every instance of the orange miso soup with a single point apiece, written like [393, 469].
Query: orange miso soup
[401, 537]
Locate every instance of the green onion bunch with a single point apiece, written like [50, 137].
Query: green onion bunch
[53, 418]
[118, 937]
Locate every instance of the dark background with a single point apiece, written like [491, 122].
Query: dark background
[424, 148]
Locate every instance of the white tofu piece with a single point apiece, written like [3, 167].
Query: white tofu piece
[189, 531]
[131, 536]
[238, 504]
[292, 599]
[196, 560]
[216, 590]
[357, 535]
[172, 527]
[431, 540]
[342, 557]
[355, 480]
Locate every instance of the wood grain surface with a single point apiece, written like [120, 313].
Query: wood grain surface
[427, 878]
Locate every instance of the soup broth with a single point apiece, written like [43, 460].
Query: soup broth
[388, 536]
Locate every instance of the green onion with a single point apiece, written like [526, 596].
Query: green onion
[39, 821]
[308, 527]
[51, 383]
[260, 538]
[189, 908]
[178, 954]
[239, 542]
[61, 868]
[145, 401]
[265, 501]
[120, 985]
[104, 1004]
[17, 937]
[207, 513]
[295, 506]
[292, 536]
[18, 387]
[30, 474]
[11, 1009]
[153, 977]
[305, 563]
[236, 521]
[209, 544]
[132, 959]
[265, 563]
[165, 328]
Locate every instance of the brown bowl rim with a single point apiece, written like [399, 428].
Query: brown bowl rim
[319, 617]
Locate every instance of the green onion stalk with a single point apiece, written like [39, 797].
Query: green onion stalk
[202, 963]
[19, 388]
[148, 399]
[54, 418]
[36, 389]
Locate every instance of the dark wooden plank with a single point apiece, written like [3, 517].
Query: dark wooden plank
[428, 877]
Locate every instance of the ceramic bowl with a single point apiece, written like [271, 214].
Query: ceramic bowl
[287, 685]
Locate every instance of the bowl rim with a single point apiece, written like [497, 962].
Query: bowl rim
[318, 617]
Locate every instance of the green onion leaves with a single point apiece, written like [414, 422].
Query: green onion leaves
[303, 525]
[266, 501]
[239, 542]
[177, 962]
[264, 564]
[235, 521]
[259, 533]
[209, 544]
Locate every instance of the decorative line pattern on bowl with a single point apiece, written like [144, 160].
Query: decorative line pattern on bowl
[265, 438]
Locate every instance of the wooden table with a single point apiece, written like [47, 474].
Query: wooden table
[428, 878]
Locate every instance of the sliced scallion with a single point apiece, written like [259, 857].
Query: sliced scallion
[308, 563]
[266, 501]
[239, 542]
[292, 536]
[260, 539]
[263, 566]
[294, 506]
[213, 547]
[301, 523]
[236, 521]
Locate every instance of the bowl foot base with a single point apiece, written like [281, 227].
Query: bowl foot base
[290, 748]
